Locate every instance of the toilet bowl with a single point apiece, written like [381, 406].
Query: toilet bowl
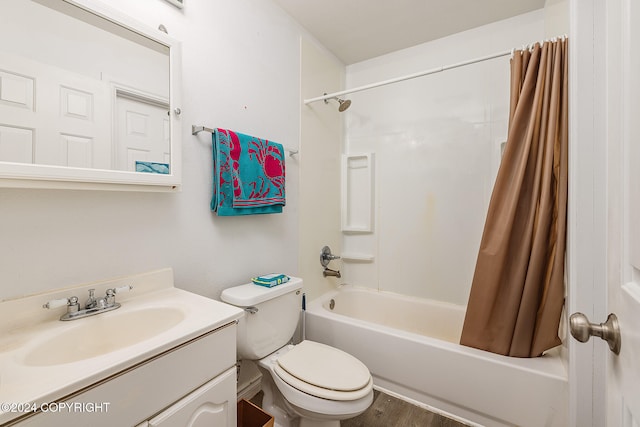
[319, 383]
[305, 385]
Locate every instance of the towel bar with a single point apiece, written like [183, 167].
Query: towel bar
[197, 129]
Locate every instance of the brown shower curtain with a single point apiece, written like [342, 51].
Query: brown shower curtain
[517, 292]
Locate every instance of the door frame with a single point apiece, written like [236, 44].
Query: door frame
[587, 208]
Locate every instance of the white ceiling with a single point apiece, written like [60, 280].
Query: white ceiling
[355, 30]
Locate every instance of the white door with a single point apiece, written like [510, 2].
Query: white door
[143, 131]
[623, 135]
[604, 249]
[52, 116]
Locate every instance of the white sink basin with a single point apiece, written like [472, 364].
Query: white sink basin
[102, 334]
[43, 359]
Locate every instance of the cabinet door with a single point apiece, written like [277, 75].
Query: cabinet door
[213, 404]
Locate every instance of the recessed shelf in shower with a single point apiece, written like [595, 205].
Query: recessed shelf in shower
[357, 192]
[357, 257]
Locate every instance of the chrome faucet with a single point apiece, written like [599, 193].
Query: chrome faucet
[325, 257]
[92, 306]
[91, 302]
[329, 272]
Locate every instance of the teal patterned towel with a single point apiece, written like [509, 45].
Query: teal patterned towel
[152, 167]
[248, 174]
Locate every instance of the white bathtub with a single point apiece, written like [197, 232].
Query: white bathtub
[411, 347]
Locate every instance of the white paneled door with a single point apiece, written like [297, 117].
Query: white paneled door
[52, 116]
[142, 131]
[604, 208]
[605, 258]
[623, 122]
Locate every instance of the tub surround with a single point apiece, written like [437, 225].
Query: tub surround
[30, 372]
[437, 145]
[438, 373]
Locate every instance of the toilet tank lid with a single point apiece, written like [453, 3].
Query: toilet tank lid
[252, 294]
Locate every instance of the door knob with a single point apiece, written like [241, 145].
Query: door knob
[582, 330]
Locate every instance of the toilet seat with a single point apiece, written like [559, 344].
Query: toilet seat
[323, 371]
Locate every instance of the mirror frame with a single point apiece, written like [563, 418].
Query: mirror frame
[25, 175]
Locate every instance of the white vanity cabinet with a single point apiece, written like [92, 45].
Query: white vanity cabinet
[205, 407]
[192, 384]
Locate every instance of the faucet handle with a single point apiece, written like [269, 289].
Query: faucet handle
[73, 305]
[71, 302]
[326, 256]
[110, 298]
[122, 289]
[55, 303]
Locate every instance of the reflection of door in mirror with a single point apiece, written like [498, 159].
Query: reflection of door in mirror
[57, 103]
[65, 125]
[142, 131]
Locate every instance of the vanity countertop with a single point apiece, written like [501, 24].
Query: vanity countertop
[43, 359]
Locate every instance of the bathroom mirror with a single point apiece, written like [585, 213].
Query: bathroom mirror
[89, 98]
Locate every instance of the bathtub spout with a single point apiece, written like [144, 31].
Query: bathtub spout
[329, 272]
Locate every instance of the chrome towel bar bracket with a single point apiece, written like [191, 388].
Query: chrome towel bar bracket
[197, 129]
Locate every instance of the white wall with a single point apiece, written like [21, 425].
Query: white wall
[556, 18]
[321, 146]
[241, 65]
[437, 145]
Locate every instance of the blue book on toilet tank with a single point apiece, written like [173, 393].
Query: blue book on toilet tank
[270, 280]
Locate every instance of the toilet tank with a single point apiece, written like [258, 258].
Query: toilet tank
[270, 319]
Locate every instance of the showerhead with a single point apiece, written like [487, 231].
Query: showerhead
[344, 103]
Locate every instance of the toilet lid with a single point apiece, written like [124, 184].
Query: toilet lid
[323, 393]
[324, 367]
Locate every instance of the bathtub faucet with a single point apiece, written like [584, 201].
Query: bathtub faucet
[329, 272]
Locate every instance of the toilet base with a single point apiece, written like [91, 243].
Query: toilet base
[284, 414]
[274, 404]
[294, 408]
[318, 423]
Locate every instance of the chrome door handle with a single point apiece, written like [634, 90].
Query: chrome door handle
[582, 330]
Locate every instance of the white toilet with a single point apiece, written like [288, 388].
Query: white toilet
[308, 384]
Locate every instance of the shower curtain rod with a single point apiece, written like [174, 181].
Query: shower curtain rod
[422, 73]
[407, 77]
[197, 129]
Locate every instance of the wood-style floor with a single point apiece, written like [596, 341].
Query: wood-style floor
[388, 411]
